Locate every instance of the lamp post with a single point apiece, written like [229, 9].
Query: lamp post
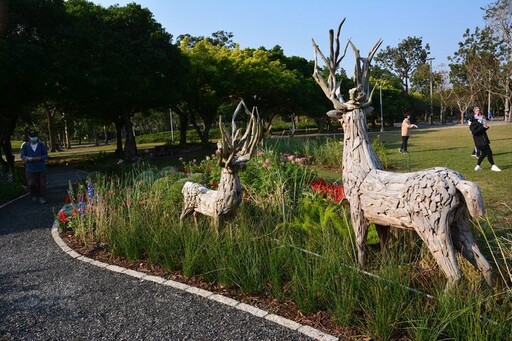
[489, 96]
[172, 128]
[381, 112]
[431, 100]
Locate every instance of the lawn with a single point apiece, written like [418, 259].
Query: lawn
[451, 147]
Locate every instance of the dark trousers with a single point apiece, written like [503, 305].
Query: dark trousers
[37, 184]
[485, 151]
[476, 152]
[403, 147]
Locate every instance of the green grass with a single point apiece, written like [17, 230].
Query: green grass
[451, 147]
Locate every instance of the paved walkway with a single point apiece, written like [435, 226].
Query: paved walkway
[47, 295]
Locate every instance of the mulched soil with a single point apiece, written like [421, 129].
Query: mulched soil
[319, 320]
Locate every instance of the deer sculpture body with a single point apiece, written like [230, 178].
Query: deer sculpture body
[436, 203]
[234, 152]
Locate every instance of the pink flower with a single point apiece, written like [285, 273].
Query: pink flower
[301, 160]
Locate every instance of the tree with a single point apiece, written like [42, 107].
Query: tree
[498, 17]
[221, 76]
[218, 38]
[404, 59]
[306, 98]
[394, 101]
[210, 85]
[128, 65]
[473, 67]
[31, 30]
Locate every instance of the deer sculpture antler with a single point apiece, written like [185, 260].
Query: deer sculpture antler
[235, 151]
[362, 71]
[360, 96]
[331, 87]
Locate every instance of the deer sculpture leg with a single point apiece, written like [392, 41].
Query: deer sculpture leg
[464, 242]
[360, 225]
[439, 242]
[184, 212]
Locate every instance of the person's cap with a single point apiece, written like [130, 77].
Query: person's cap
[32, 133]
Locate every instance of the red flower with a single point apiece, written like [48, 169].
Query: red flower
[62, 217]
[214, 184]
[334, 192]
[67, 199]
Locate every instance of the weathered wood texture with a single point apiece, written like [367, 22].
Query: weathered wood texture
[436, 202]
[234, 152]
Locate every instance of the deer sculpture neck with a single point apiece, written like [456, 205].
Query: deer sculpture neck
[229, 190]
[359, 157]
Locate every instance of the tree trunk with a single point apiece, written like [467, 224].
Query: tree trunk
[50, 115]
[203, 135]
[119, 138]
[7, 126]
[130, 146]
[183, 127]
[95, 134]
[66, 134]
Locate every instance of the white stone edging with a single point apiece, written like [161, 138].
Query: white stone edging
[284, 322]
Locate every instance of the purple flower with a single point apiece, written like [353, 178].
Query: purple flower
[90, 190]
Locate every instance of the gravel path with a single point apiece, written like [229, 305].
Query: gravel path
[47, 295]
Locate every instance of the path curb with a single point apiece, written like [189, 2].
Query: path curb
[284, 322]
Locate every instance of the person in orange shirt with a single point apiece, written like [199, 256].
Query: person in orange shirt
[406, 125]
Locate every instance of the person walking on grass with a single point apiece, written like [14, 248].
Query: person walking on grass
[406, 125]
[478, 115]
[482, 142]
[34, 153]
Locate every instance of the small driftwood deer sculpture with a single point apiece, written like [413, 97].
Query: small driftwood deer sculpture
[436, 203]
[235, 152]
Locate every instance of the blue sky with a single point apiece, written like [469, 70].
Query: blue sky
[292, 23]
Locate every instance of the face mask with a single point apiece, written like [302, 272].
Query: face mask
[33, 139]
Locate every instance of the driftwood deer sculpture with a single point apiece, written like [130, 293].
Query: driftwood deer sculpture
[436, 203]
[235, 152]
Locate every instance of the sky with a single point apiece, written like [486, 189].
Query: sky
[292, 24]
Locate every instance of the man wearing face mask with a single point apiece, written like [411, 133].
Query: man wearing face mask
[34, 154]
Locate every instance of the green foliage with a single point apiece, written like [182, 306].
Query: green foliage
[404, 59]
[325, 151]
[381, 151]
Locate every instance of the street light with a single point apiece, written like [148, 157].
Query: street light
[431, 103]
[381, 112]
[172, 128]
